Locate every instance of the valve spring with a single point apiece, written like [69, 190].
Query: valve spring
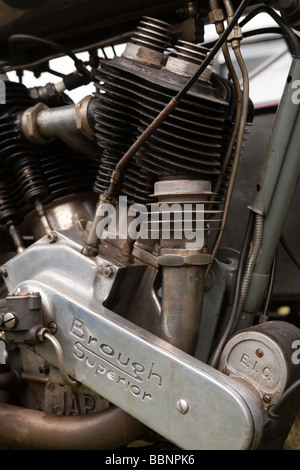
[153, 34]
[190, 52]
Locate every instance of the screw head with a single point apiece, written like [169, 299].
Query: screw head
[182, 406]
[10, 320]
[267, 398]
[259, 352]
[52, 327]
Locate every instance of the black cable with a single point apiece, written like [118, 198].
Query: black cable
[261, 31]
[257, 32]
[238, 13]
[54, 72]
[158, 121]
[15, 38]
[294, 39]
[215, 357]
[290, 394]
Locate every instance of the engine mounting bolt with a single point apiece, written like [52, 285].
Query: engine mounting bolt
[267, 398]
[182, 406]
[52, 237]
[108, 271]
[259, 353]
[9, 320]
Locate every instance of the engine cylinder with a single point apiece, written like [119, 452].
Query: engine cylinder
[192, 141]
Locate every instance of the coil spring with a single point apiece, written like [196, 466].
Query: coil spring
[153, 34]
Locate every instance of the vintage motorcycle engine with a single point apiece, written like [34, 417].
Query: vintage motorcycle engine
[100, 321]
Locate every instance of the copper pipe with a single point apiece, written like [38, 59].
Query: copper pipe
[34, 430]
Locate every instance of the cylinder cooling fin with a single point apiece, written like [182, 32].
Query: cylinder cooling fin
[36, 172]
[132, 90]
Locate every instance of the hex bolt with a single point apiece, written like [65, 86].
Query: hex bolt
[259, 353]
[10, 320]
[52, 237]
[182, 406]
[108, 271]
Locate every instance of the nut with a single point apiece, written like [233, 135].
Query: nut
[29, 124]
[216, 15]
[236, 33]
[81, 117]
[52, 237]
[108, 271]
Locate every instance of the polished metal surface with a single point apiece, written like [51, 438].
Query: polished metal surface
[137, 371]
[258, 359]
